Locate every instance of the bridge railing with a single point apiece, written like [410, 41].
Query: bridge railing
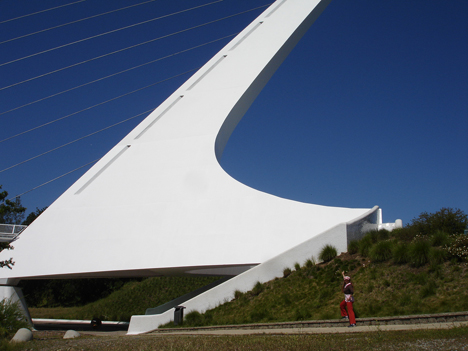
[9, 232]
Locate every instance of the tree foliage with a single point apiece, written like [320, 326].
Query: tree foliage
[447, 220]
[11, 212]
[33, 215]
[11, 318]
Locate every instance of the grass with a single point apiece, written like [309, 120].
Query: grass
[450, 339]
[133, 298]
[327, 253]
[381, 289]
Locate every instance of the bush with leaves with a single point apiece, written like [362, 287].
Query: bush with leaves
[328, 253]
[459, 247]
[353, 247]
[440, 238]
[400, 253]
[418, 253]
[365, 244]
[258, 289]
[382, 251]
[11, 318]
[447, 220]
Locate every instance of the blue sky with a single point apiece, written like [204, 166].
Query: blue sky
[371, 107]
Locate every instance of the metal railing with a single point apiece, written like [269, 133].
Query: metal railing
[9, 232]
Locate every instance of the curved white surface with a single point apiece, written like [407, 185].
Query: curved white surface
[159, 202]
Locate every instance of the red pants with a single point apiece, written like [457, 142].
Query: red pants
[348, 305]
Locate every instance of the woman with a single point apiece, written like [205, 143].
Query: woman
[347, 303]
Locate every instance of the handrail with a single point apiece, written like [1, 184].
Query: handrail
[10, 232]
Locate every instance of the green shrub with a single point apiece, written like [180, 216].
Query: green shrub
[297, 266]
[459, 247]
[286, 272]
[437, 255]
[380, 252]
[406, 234]
[328, 253]
[353, 247]
[194, 319]
[400, 253]
[310, 263]
[418, 253]
[439, 238]
[448, 220]
[238, 294]
[11, 318]
[383, 234]
[258, 288]
[364, 245]
[373, 235]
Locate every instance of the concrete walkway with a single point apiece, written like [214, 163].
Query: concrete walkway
[432, 321]
[414, 322]
[332, 330]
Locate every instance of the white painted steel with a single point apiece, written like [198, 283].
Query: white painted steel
[159, 202]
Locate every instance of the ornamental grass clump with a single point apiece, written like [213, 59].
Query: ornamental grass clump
[364, 245]
[328, 253]
[310, 263]
[418, 253]
[11, 318]
[353, 247]
[381, 252]
[400, 253]
[257, 289]
[194, 319]
[437, 255]
[440, 238]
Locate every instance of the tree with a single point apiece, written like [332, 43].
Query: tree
[447, 220]
[33, 215]
[11, 212]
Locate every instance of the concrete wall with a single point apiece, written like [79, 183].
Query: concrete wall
[338, 236]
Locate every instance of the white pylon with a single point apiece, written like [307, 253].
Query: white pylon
[159, 202]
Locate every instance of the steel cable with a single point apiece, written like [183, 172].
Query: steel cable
[96, 105]
[105, 33]
[111, 75]
[76, 140]
[73, 22]
[35, 13]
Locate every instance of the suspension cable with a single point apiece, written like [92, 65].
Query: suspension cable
[127, 48]
[72, 22]
[105, 33]
[112, 75]
[76, 140]
[35, 13]
[56, 178]
[96, 105]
